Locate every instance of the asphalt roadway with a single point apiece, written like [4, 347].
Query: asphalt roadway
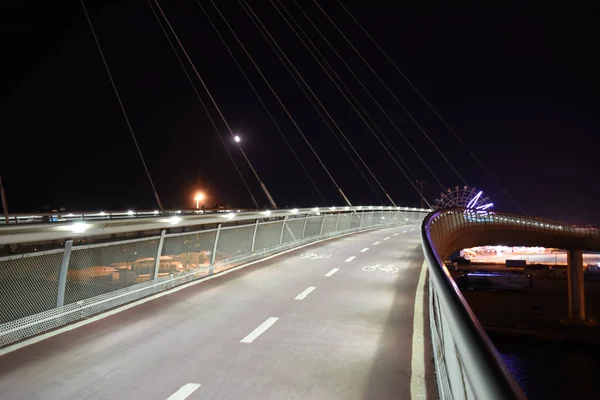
[309, 324]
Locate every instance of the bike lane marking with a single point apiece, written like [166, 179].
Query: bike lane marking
[349, 259]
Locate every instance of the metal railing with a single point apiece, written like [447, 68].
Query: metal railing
[43, 290]
[466, 362]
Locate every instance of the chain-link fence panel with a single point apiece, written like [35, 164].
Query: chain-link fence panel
[355, 220]
[98, 269]
[293, 230]
[313, 226]
[329, 223]
[343, 223]
[233, 247]
[367, 219]
[268, 235]
[185, 253]
[28, 284]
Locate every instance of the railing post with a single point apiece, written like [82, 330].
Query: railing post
[349, 221]
[360, 219]
[322, 223]
[158, 253]
[304, 227]
[211, 268]
[62, 276]
[337, 220]
[282, 230]
[254, 236]
[372, 217]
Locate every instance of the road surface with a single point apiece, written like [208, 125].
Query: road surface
[310, 324]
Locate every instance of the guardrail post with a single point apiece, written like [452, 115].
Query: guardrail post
[211, 268]
[304, 227]
[62, 276]
[349, 221]
[322, 223]
[282, 230]
[360, 219]
[158, 253]
[336, 222]
[372, 217]
[253, 236]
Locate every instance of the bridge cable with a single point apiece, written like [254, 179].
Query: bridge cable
[262, 185]
[333, 121]
[216, 129]
[392, 94]
[368, 93]
[270, 40]
[114, 86]
[349, 92]
[262, 102]
[320, 115]
[431, 107]
[281, 103]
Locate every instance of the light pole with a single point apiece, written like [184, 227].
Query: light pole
[237, 140]
[199, 197]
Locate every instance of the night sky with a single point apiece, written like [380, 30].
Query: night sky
[521, 90]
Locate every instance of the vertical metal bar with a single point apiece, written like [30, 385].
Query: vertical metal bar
[158, 253]
[304, 228]
[322, 223]
[62, 276]
[211, 268]
[337, 220]
[360, 219]
[254, 236]
[349, 220]
[282, 230]
[372, 217]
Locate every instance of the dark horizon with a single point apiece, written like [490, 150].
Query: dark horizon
[521, 91]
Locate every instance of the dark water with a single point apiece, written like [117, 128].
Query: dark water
[552, 371]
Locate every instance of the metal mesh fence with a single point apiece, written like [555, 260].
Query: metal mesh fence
[28, 284]
[329, 223]
[182, 254]
[313, 226]
[98, 269]
[233, 247]
[293, 230]
[268, 235]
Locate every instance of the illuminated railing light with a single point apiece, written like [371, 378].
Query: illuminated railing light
[294, 211]
[267, 212]
[229, 216]
[174, 220]
[155, 212]
[130, 212]
[316, 209]
[79, 227]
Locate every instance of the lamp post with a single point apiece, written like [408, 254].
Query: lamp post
[237, 140]
[4, 206]
[199, 197]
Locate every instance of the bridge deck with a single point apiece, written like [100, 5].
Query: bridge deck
[350, 338]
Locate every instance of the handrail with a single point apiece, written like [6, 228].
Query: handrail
[78, 228]
[468, 365]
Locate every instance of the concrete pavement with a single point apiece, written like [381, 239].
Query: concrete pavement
[310, 324]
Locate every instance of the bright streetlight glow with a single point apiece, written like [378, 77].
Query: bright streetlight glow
[237, 139]
[199, 197]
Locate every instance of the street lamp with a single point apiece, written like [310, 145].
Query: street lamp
[199, 197]
[237, 139]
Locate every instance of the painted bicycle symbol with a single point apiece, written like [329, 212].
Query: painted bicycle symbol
[314, 256]
[390, 269]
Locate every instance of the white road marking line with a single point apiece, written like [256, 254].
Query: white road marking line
[412, 229]
[365, 249]
[333, 271]
[417, 375]
[386, 238]
[184, 391]
[260, 330]
[404, 231]
[350, 258]
[376, 243]
[303, 295]
[396, 234]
